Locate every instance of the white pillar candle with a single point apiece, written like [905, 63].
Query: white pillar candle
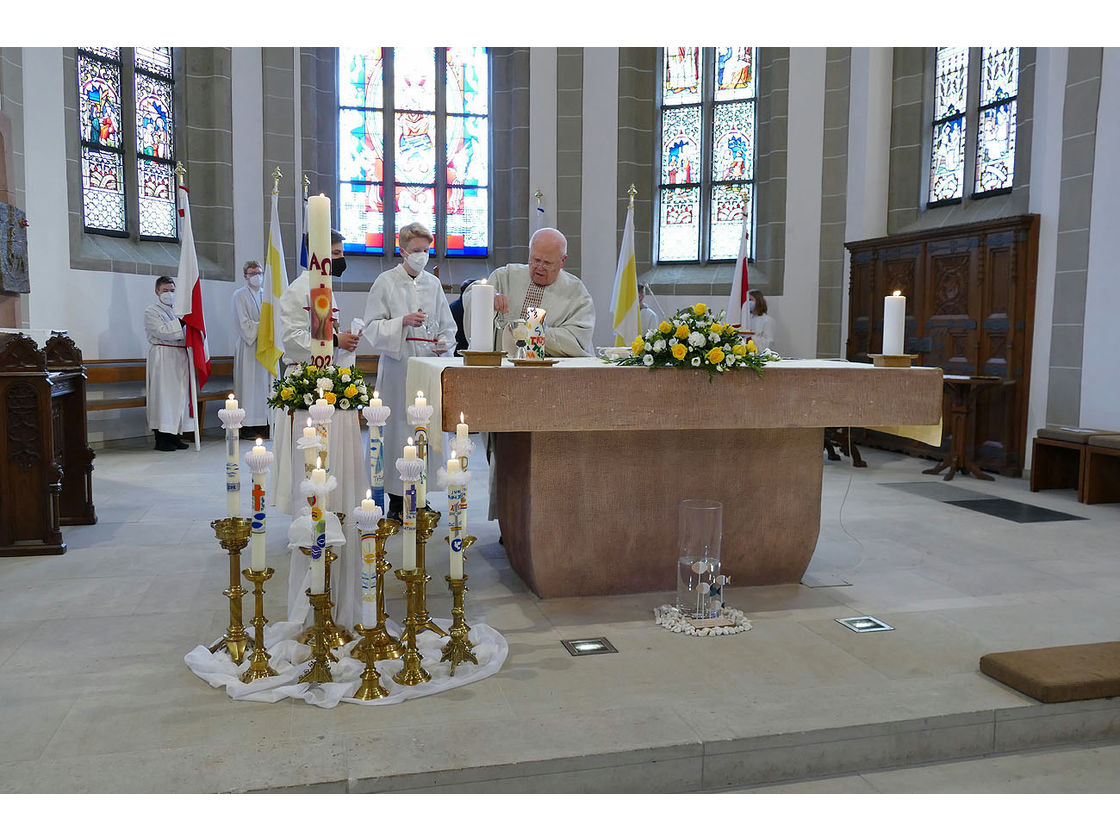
[894, 324]
[319, 271]
[369, 579]
[408, 528]
[480, 316]
[410, 451]
[233, 472]
[421, 401]
[461, 432]
[257, 543]
[375, 400]
[231, 403]
[453, 465]
[259, 449]
[368, 503]
[318, 575]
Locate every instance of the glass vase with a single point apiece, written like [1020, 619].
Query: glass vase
[698, 540]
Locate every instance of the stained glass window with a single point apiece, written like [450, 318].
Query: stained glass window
[140, 127]
[707, 155]
[435, 112]
[986, 134]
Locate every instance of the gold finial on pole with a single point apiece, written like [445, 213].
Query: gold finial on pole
[633, 191]
[539, 196]
[306, 184]
[181, 171]
[276, 176]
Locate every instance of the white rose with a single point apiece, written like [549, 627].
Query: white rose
[659, 345]
[696, 361]
[647, 360]
[345, 377]
[324, 383]
[697, 339]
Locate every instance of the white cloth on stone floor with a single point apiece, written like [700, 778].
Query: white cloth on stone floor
[393, 295]
[167, 376]
[252, 384]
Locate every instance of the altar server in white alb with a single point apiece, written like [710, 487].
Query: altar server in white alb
[251, 382]
[569, 311]
[407, 315]
[167, 386]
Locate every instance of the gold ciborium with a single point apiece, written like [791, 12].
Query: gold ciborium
[233, 535]
[258, 661]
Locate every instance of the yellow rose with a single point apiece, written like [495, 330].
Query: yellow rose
[287, 393]
[344, 372]
[679, 351]
[665, 327]
[330, 397]
[638, 346]
[739, 349]
[751, 346]
[312, 369]
[682, 331]
[699, 308]
[715, 355]
[351, 391]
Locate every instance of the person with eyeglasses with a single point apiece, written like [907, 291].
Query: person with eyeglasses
[251, 381]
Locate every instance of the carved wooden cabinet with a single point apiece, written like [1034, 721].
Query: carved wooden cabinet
[969, 310]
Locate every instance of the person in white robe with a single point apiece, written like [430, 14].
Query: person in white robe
[648, 319]
[569, 310]
[760, 323]
[252, 383]
[406, 315]
[346, 457]
[166, 378]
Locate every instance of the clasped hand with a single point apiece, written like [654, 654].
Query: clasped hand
[414, 319]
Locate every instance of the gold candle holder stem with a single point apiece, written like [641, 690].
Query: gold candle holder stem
[426, 521]
[233, 535]
[321, 656]
[258, 662]
[459, 647]
[370, 687]
[336, 636]
[384, 645]
[412, 673]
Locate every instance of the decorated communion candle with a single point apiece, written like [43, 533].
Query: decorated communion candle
[319, 269]
[233, 470]
[894, 324]
[310, 454]
[456, 504]
[257, 543]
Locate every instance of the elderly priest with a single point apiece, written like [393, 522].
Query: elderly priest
[543, 283]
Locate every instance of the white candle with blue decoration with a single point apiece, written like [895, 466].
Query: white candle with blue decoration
[409, 468]
[456, 515]
[231, 417]
[419, 413]
[376, 416]
[318, 531]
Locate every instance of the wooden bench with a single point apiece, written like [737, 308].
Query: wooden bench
[119, 383]
[1102, 470]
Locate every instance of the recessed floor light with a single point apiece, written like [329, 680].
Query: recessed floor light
[586, 647]
[864, 624]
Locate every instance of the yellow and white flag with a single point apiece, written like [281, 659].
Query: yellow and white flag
[624, 300]
[275, 284]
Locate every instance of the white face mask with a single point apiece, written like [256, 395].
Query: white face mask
[254, 281]
[167, 298]
[417, 261]
[750, 305]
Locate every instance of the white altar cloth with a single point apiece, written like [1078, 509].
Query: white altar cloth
[290, 660]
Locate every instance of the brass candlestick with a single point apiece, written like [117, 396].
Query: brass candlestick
[321, 656]
[412, 673]
[233, 534]
[258, 662]
[371, 687]
[426, 521]
[384, 645]
[459, 646]
[336, 636]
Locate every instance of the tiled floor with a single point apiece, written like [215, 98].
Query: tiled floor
[96, 698]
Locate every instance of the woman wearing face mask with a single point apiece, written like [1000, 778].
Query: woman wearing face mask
[406, 315]
[251, 382]
[761, 324]
[166, 378]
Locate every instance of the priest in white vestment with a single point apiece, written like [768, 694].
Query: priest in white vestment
[167, 376]
[406, 315]
[346, 457]
[252, 383]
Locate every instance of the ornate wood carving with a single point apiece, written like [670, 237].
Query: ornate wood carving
[22, 415]
[20, 353]
[63, 353]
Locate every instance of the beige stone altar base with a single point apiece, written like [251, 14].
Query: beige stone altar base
[593, 459]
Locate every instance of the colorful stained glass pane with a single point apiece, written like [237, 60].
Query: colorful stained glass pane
[999, 74]
[680, 146]
[157, 199]
[946, 178]
[99, 102]
[679, 228]
[467, 152]
[414, 79]
[681, 76]
[468, 80]
[467, 221]
[362, 217]
[734, 77]
[733, 141]
[360, 155]
[111, 53]
[155, 130]
[416, 204]
[415, 148]
[731, 203]
[360, 83]
[102, 190]
[950, 82]
[995, 148]
[154, 59]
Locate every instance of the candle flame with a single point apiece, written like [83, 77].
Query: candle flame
[453, 455]
[369, 494]
[410, 441]
[309, 422]
[897, 293]
[419, 393]
[321, 390]
[375, 396]
[260, 441]
[461, 420]
[231, 396]
[319, 462]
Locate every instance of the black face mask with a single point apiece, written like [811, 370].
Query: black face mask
[338, 266]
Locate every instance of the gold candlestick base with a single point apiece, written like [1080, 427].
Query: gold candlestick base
[412, 673]
[321, 656]
[336, 636]
[233, 535]
[384, 645]
[258, 662]
[371, 687]
[459, 647]
[426, 521]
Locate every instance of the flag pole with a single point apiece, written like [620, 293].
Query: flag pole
[181, 171]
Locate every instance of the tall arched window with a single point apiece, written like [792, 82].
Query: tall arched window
[119, 132]
[707, 152]
[434, 106]
[974, 119]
